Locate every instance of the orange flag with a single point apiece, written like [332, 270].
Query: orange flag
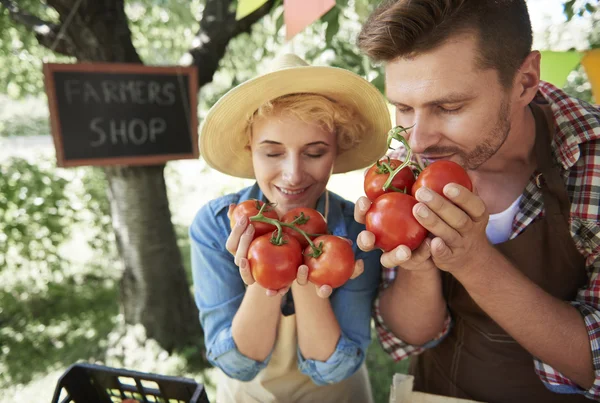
[298, 14]
[591, 64]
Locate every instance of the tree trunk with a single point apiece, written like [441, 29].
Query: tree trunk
[154, 288]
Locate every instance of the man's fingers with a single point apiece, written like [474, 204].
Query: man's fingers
[366, 241]
[434, 224]
[359, 268]
[449, 212]
[360, 209]
[439, 249]
[418, 259]
[244, 244]
[245, 272]
[396, 256]
[467, 201]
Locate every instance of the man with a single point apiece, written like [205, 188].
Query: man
[502, 302]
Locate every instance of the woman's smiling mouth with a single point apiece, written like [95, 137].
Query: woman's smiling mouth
[291, 192]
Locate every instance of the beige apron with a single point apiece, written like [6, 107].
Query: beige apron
[281, 381]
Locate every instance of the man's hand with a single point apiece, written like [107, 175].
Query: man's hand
[419, 259]
[457, 225]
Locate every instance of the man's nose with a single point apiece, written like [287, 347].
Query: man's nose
[422, 135]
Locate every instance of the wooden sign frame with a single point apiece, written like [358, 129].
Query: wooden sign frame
[190, 71]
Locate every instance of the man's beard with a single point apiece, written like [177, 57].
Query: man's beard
[492, 143]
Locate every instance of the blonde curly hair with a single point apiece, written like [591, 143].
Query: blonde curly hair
[342, 120]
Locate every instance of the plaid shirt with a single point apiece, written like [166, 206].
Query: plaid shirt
[576, 148]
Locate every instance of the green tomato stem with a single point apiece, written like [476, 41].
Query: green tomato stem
[394, 134]
[278, 239]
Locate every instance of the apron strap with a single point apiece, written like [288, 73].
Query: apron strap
[547, 175]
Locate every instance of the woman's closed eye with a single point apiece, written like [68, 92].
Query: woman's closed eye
[315, 155]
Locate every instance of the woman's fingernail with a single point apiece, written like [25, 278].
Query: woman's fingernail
[424, 194]
[242, 221]
[243, 264]
[451, 191]
[303, 270]
[250, 230]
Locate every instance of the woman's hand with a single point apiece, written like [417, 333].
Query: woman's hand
[238, 243]
[325, 291]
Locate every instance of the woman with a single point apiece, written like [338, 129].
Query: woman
[290, 129]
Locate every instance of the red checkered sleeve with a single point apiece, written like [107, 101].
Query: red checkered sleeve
[391, 344]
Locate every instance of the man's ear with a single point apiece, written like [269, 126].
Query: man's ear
[527, 79]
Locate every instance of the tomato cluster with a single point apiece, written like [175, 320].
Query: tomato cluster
[391, 186]
[299, 236]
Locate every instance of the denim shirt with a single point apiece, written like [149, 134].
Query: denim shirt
[219, 290]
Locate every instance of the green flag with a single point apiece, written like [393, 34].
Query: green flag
[556, 66]
[247, 7]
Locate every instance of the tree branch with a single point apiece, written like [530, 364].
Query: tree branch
[46, 32]
[217, 27]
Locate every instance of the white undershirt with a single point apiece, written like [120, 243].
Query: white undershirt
[500, 225]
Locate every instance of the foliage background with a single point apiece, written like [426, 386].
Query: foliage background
[58, 264]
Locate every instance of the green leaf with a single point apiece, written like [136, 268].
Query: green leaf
[279, 21]
[379, 82]
[333, 27]
[568, 9]
[590, 8]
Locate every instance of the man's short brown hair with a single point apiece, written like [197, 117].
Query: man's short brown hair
[403, 28]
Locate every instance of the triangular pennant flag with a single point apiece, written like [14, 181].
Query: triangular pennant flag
[591, 64]
[247, 7]
[298, 14]
[556, 66]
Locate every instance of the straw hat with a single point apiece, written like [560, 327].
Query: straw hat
[223, 136]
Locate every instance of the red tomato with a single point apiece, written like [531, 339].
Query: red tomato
[377, 176]
[439, 174]
[274, 266]
[314, 223]
[250, 208]
[334, 266]
[391, 219]
[130, 401]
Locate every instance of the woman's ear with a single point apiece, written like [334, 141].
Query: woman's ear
[527, 79]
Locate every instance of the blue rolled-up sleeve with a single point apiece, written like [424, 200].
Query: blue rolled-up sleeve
[218, 291]
[352, 304]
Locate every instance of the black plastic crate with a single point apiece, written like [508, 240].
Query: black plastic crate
[91, 383]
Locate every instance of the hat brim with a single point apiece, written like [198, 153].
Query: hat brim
[223, 138]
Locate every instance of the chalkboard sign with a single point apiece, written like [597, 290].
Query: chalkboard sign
[122, 114]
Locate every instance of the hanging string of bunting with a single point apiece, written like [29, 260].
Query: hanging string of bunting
[555, 66]
[298, 14]
[247, 7]
[591, 64]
